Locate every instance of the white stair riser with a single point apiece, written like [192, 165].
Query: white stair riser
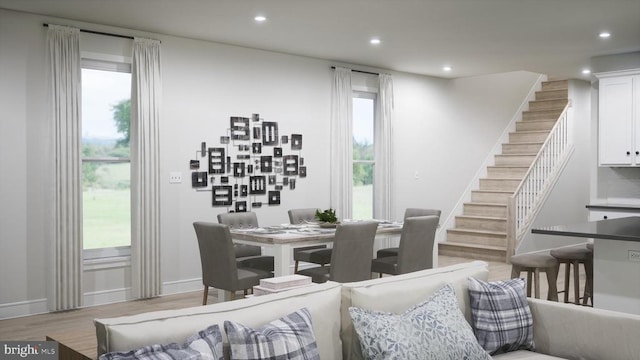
[477, 254]
[516, 160]
[485, 210]
[506, 172]
[528, 137]
[487, 224]
[535, 125]
[490, 197]
[525, 148]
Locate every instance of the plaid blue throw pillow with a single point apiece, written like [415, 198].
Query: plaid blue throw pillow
[501, 316]
[290, 337]
[432, 330]
[205, 345]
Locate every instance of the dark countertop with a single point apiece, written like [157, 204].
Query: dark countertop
[627, 229]
[623, 207]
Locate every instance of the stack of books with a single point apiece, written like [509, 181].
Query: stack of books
[281, 283]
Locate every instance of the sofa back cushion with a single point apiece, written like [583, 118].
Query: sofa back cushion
[395, 294]
[161, 327]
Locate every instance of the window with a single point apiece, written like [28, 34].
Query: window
[363, 157]
[106, 164]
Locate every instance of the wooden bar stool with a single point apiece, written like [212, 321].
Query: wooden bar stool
[576, 255]
[533, 264]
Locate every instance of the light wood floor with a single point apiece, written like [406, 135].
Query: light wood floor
[36, 327]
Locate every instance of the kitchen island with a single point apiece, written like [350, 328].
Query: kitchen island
[616, 260]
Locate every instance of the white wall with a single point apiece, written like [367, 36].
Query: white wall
[444, 129]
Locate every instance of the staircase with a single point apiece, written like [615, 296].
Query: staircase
[481, 231]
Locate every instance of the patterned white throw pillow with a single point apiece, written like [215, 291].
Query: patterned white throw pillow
[502, 320]
[432, 330]
[290, 337]
[205, 345]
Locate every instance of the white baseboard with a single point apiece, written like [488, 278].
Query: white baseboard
[106, 297]
[39, 306]
[23, 308]
[181, 286]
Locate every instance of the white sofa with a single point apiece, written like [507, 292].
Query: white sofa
[561, 331]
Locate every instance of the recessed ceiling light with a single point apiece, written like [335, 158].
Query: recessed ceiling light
[374, 41]
[586, 71]
[604, 35]
[447, 68]
[260, 18]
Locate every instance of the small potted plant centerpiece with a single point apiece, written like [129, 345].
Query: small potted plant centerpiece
[327, 218]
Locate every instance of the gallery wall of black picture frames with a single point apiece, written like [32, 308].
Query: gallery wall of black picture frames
[251, 165]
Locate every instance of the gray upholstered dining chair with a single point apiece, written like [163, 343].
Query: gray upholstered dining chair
[349, 261]
[219, 267]
[249, 256]
[416, 248]
[409, 212]
[317, 254]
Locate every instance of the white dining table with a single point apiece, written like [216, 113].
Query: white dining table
[282, 239]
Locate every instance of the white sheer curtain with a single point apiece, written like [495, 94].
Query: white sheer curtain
[65, 108]
[341, 143]
[146, 94]
[383, 173]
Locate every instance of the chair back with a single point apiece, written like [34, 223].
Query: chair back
[247, 219]
[241, 220]
[412, 212]
[219, 269]
[416, 243]
[353, 251]
[301, 216]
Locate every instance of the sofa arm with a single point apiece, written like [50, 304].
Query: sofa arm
[576, 332]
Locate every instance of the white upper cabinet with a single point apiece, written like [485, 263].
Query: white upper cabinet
[619, 119]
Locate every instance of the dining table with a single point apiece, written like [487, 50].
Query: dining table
[280, 240]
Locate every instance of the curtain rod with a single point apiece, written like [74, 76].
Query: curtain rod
[360, 71]
[100, 33]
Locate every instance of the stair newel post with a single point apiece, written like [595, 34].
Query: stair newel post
[511, 226]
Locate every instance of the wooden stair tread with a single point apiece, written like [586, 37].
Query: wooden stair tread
[539, 120]
[494, 191]
[531, 132]
[474, 246]
[500, 178]
[526, 154]
[523, 143]
[480, 217]
[478, 231]
[485, 204]
[508, 166]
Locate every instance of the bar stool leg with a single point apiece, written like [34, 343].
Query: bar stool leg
[576, 282]
[529, 282]
[552, 281]
[567, 276]
[537, 280]
[515, 271]
[588, 289]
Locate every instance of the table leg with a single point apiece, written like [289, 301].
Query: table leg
[282, 260]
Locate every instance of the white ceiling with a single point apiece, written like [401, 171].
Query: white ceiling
[555, 37]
